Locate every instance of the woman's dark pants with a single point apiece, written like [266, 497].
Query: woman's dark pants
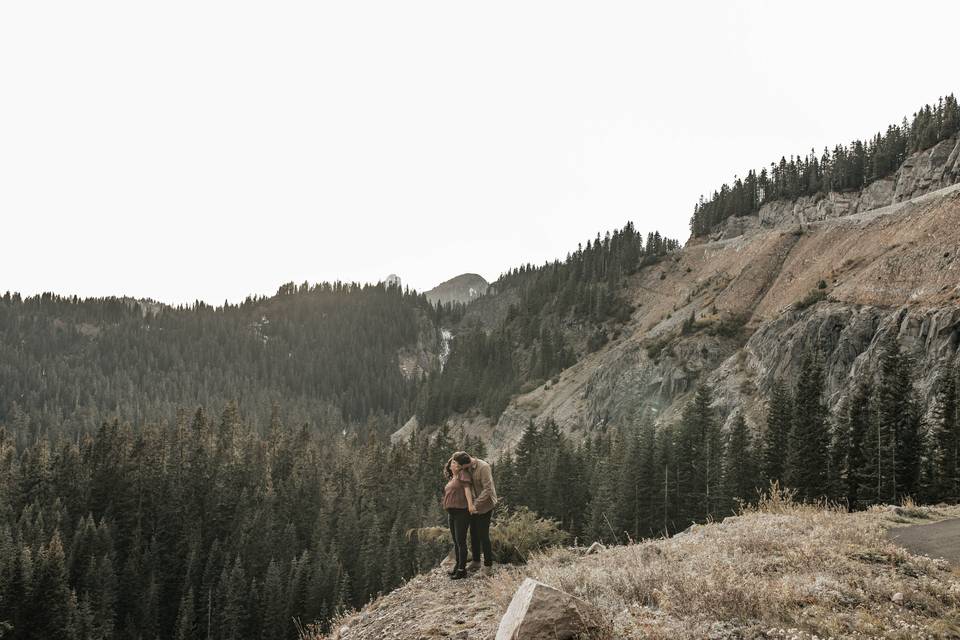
[459, 523]
[480, 537]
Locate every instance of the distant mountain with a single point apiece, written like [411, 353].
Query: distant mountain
[393, 280]
[463, 288]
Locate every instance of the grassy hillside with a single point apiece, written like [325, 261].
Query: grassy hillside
[780, 570]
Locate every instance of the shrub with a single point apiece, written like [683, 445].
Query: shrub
[596, 340]
[655, 346]
[519, 532]
[515, 534]
[812, 298]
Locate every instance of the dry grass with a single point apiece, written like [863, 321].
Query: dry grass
[780, 570]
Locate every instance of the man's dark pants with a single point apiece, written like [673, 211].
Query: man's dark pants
[480, 537]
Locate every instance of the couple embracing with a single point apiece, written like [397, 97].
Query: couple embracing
[469, 498]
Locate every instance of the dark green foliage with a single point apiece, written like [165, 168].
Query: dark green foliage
[634, 482]
[813, 297]
[843, 169]
[328, 350]
[880, 450]
[171, 530]
[850, 466]
[899, 423]
[699, 453]
[941, 473]
[807, 467]
[776, 437]
[740, 473]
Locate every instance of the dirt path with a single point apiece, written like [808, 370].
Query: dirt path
[937, 540]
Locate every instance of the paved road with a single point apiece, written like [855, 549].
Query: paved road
[937, 540]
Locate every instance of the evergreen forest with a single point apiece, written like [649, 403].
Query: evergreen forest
[327, 351]
[216, 527]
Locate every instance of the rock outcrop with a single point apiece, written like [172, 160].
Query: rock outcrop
[921, 173]
[538, 611]
[464, 288]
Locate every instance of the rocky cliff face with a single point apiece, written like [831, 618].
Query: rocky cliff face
[758, 300]
[922, 173]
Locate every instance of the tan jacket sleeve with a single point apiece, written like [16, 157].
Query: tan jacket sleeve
[486, 498]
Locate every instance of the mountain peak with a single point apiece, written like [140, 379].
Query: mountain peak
[462, 288]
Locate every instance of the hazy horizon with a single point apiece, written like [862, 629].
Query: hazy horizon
[215, 151]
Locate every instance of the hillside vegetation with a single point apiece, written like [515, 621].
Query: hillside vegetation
[328, 352]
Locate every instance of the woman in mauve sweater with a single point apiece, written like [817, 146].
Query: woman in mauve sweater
[458, 503]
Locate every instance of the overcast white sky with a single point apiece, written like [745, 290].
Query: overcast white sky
[192, 149]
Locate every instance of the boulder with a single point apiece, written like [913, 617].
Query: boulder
[539, 611]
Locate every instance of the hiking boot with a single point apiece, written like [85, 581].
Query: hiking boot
[474, 566]
[487, 570]
[459, 575]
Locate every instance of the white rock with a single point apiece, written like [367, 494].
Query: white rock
[538, 611]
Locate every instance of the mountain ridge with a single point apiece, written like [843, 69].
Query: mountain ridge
[890, 268]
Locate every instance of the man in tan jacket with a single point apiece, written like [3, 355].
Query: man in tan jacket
[485, 500]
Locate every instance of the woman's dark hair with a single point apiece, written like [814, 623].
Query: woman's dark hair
[462, 458]
[447, 471]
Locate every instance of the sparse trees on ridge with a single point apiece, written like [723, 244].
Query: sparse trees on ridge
[843, 168]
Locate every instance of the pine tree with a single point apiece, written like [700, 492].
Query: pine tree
[699, 454]
[50, 602]
[187, 617]
[666, 503]
[809, 449]
[776, 438]
[740, 469]
[941, 441]
[898, 415]
[236, 610]
[602, 503]
[856, 473]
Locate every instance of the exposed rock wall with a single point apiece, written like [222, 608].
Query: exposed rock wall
[850, 339]
[921, 173]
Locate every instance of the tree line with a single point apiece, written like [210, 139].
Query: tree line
[639, 481]
[209, 527]
[328, 351]
[844, 168]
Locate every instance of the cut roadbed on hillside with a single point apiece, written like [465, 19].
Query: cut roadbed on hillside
[937, 540]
